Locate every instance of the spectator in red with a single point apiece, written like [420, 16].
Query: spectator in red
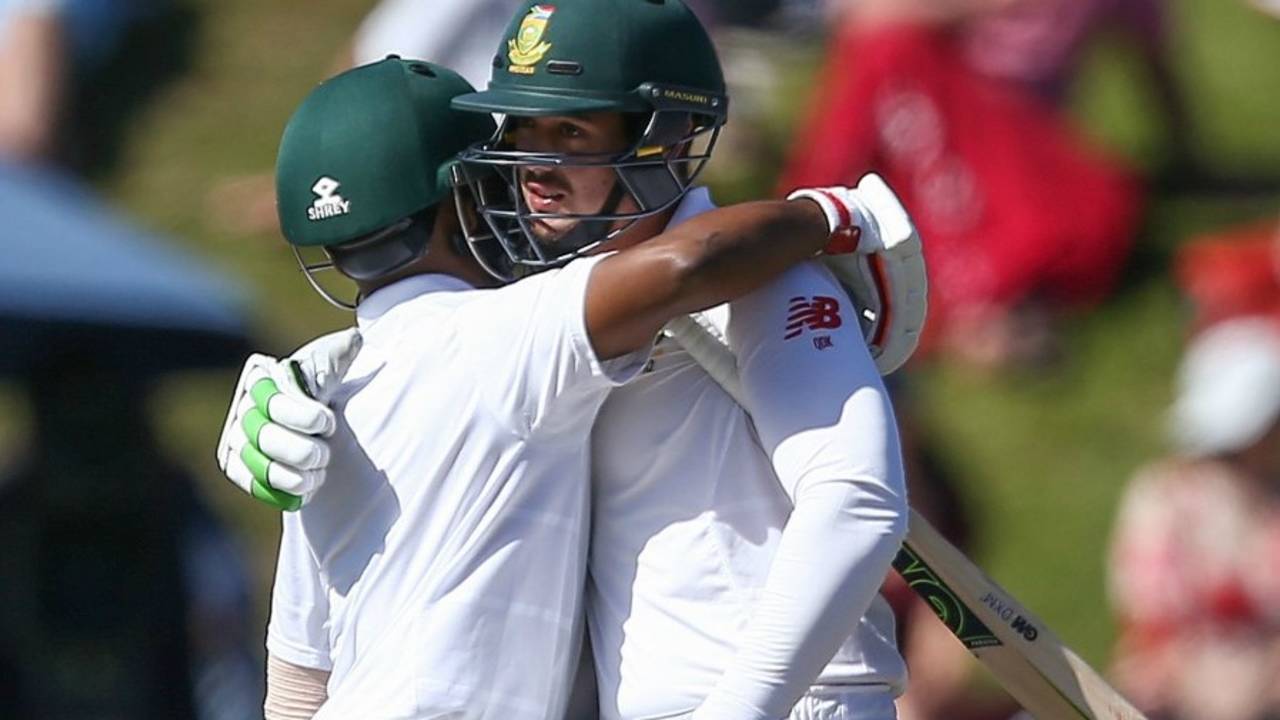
[957, 105]
[1195, 558]
[1231, 273]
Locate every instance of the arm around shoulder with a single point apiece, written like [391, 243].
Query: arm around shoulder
[712, 258]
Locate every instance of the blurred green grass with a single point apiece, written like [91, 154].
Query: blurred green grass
[1042, 457]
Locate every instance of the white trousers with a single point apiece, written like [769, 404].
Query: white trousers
[840, 702]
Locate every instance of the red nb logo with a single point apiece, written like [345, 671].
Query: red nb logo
[817, 313]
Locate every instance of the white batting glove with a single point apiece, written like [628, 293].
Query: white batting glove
[877, 255]
[273, 441]
[860, 218]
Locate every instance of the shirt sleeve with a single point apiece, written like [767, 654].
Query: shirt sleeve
[822, 414]
[532, 337]
[817, 400]
[298, 632]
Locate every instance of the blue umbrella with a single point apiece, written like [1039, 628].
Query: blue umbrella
[74, 276]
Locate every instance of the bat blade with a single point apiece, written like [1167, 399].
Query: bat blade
[1045, 676]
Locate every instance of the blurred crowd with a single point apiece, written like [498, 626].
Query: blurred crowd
[121, 597]
[960, 105]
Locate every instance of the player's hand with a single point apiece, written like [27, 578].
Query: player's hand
[273, 441]
[864, 219]
[877, 255]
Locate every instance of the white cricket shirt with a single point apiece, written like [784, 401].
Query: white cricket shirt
[439, 572]
[688, 508]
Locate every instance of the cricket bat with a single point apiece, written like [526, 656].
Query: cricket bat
[1040, 672]
[1044, 675]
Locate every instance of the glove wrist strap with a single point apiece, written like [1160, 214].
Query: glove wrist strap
[847, 219]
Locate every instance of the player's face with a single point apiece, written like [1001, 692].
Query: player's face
[570, 190]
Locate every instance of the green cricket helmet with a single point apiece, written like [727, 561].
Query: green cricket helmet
[649, 59]
[365, 162]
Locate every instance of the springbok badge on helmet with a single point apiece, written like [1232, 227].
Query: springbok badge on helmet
[527, 47]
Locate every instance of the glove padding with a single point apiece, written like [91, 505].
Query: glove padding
[273, 441]
[877, 255]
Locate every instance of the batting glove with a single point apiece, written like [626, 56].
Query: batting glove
[861, 219]
[877, 255]
[273, 441]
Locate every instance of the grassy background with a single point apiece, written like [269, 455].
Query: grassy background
[1042, 457]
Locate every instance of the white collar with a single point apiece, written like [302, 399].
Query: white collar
[388, 296]
[695, 202]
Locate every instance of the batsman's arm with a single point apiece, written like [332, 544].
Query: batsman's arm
[294, 692]
[298, 647]
[708, 260]
[823, 416]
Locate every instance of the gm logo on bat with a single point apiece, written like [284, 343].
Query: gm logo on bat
[1019, 624]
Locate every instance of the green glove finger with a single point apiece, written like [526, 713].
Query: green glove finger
[262, 392]
[253, 422]
[277, 499]
[260, 465]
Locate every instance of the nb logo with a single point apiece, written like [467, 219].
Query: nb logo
[817, 313]
[328, 202]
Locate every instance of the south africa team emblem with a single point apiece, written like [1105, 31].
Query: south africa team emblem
[528, 47]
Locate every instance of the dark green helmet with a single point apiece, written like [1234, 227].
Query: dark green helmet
[365, 161]
[578, 56]
[648, 58]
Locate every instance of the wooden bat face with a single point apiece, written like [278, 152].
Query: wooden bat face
[1030, 662]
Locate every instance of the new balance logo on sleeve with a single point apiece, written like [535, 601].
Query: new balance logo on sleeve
[328, 202]
[817, 313]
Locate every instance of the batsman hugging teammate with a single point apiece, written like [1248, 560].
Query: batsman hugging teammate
[436, 566]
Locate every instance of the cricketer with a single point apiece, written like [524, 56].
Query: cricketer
[437, 572]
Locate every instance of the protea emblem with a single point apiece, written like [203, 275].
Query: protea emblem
[528, 47]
